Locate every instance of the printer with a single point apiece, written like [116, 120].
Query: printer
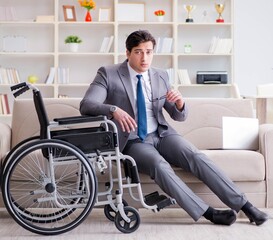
[211, 77]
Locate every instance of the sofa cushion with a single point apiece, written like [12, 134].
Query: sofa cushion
[240, 165]
[5, 139]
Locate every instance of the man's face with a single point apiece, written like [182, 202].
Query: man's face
[140, 58]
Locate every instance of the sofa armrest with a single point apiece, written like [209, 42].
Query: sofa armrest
[5, 139]
[266, 149]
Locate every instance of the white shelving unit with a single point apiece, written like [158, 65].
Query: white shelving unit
[45, 46]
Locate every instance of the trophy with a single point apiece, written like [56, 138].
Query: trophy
[189, 9]
[220, 8]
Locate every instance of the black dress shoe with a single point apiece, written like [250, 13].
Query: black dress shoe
[257, 216]
[223, 217]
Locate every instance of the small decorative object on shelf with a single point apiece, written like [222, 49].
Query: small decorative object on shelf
[220, 8]
[32, 79]
[88, 4]
[187, 48]
[69, 13]
[160, 15]
[73, 42]
[189, 9]
[14, 43]
[205, 17]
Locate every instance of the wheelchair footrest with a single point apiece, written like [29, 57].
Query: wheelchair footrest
[161, 201]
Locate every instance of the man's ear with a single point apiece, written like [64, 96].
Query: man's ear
[127, 53]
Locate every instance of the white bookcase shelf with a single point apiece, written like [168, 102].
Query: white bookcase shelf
[45, 47]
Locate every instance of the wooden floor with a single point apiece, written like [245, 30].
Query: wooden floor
[169, 224]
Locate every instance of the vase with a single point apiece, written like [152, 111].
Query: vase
[73, 47]
[160, 18]
[88, 17]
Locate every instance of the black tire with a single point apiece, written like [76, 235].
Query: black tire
[110, 213]
[124, 226]
[30, 215]
[12, 152]
[45, 182]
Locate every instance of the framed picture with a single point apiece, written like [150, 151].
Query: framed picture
[104, 15]
[69, 13]
[131, 12]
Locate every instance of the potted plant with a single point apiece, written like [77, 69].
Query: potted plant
[73, 42]
[160, 15]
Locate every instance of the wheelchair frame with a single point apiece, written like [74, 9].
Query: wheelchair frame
[61, 164]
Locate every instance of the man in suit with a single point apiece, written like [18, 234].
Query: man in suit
[145, 135]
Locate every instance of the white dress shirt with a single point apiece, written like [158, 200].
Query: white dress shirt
[147, 91]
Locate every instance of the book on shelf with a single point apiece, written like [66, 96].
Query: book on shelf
[220, 45]
[8, 14]
[164, 45]
[109, 45]
[1, 108]
[44, 18]
[103, 44]
[60, 73]
[9, 76]
[2, 13]
[167, 45]
[170, 72]
[51, 76]
[158, 45]
[106, 44]
[63, 75]
[4, 104]
[183, 77]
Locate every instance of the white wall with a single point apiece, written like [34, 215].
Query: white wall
[253, 44]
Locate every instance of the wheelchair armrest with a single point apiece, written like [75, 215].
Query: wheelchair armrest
[79, 119]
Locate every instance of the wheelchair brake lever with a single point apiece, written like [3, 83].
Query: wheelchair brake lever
[100, 162]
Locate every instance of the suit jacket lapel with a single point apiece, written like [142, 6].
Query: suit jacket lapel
[125, 78]
[155, 85]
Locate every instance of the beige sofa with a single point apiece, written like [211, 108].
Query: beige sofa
[251, 170]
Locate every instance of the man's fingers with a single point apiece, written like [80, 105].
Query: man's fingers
[132, 124]
[173, 96]
[122, 126]
[127, 124]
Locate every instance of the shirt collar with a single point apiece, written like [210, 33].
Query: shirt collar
[133, 73]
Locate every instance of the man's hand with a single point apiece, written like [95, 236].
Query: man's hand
[176, 97]
[126, 122]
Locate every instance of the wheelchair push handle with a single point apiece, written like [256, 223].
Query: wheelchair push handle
[22, 87]
[19, 85]
[20, 91]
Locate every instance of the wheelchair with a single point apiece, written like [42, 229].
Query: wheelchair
[50, 182]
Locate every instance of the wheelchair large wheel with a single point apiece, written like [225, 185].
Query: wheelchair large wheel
[49, 187]
[13, 151]
[25, 213]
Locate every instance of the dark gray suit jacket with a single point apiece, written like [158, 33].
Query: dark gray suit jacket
[112, 86]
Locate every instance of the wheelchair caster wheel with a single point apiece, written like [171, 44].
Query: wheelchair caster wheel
[110, 213]
[124, 226]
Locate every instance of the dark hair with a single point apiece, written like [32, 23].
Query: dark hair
[137, 37]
